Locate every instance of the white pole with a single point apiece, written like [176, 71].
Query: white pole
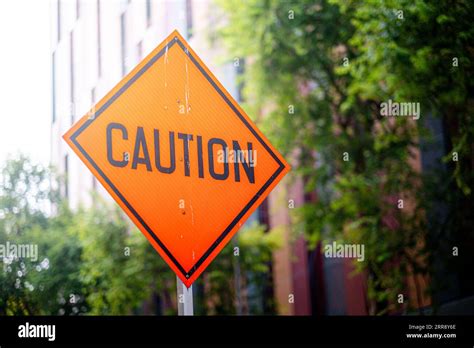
[185, 298]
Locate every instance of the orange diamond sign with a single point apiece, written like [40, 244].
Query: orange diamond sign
[179, 156]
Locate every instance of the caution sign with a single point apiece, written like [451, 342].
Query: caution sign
[178, 155]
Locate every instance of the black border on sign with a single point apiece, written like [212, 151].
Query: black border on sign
[272, 178]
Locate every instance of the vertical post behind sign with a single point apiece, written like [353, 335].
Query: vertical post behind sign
[185, 298]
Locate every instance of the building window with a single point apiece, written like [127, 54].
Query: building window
[148, 13]
[59, 19]
[263, 214]
[123, 43]
[78, 9]
[71, 63]
[93, 95]
[240, 69]
[53, 87]
[140, 51]
[66, 176]
[93, 101]
[189, 19]
[99, 42]
[94, 180]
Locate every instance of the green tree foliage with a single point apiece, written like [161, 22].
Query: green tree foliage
[41, 286]
[320, 70]
[251, 254]
[94, 261]
[118, 267]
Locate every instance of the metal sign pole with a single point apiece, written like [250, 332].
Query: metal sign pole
[185, 298]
